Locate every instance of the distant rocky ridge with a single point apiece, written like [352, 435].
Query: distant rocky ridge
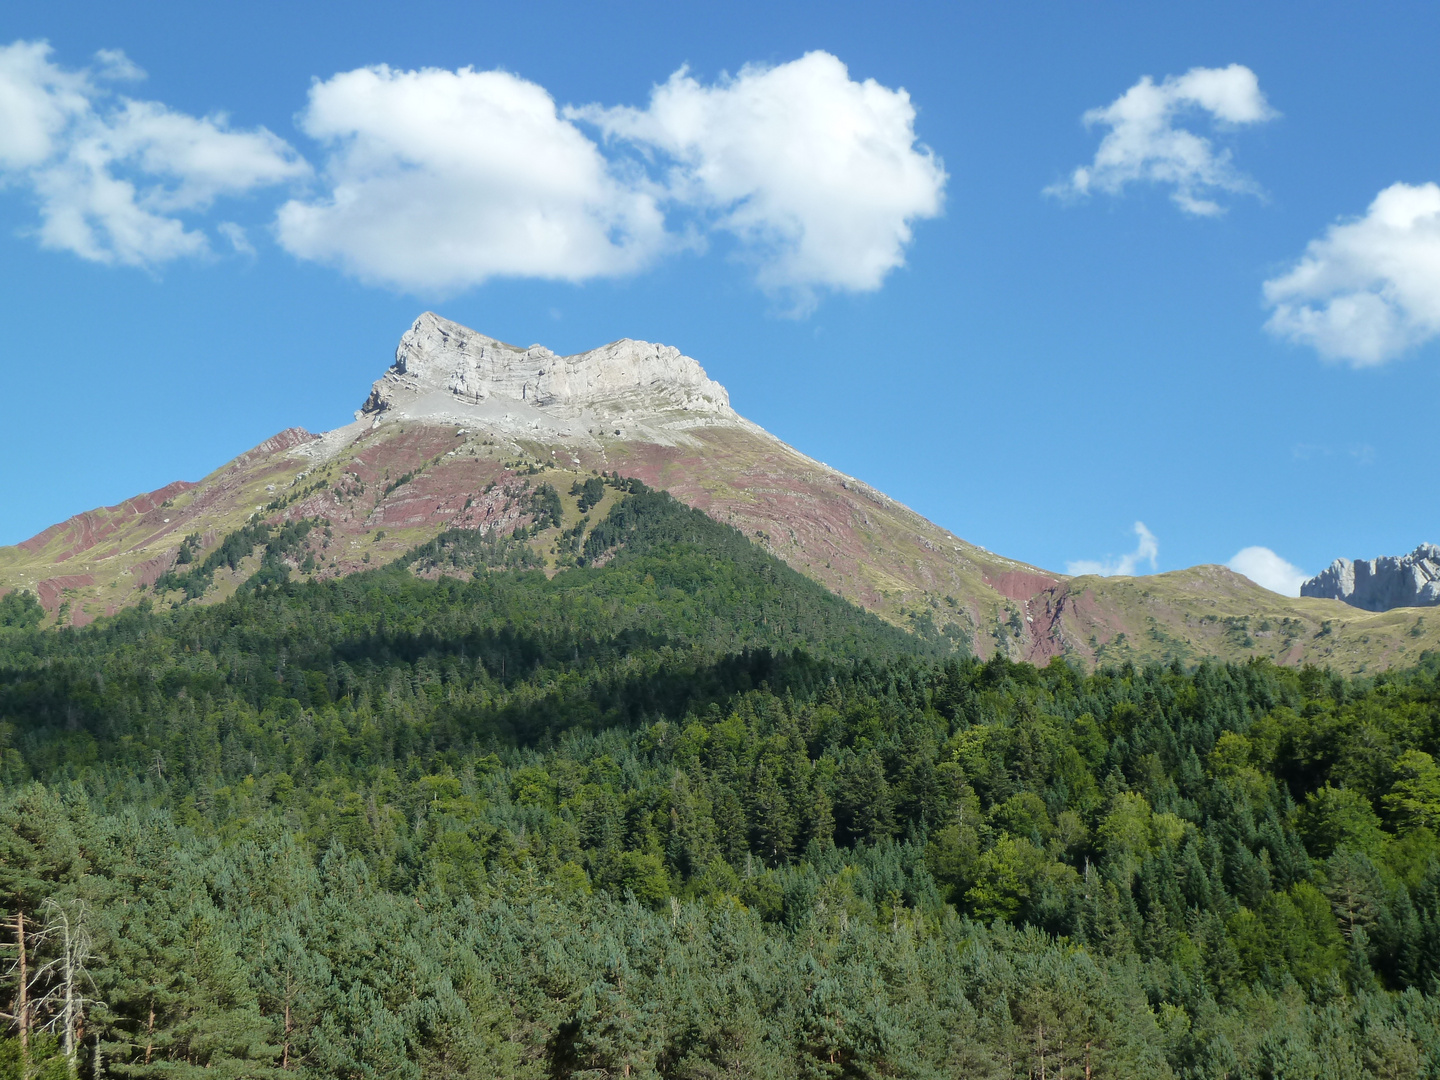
[1391, 581]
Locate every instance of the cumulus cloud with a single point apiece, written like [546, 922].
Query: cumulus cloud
[818, 176]
[442, 179]
[437, 180]
[1146, 142]
[110, 174]
[1268, 570]
[1147, 550]
[1369, 289]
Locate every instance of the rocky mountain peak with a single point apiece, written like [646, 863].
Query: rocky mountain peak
[1390, 581]
[441, 367]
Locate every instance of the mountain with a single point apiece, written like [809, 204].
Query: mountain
[462, 430]
[1391, 581]
[583, 782]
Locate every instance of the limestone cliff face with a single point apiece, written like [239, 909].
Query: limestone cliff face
[441, 365]
[1390, 581]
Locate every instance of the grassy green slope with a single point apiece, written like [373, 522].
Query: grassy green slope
[1210, 611]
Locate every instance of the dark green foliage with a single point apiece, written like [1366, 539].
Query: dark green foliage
[282, 547]
[681, 813]
[569, 541]
[188, 547]
[544, 505]
[399, 482]
[282, 542]
[19, 610]
[590, 493]
[296, 493]
[470, 550]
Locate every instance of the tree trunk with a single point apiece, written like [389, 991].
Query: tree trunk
[22, 998]
[79, 1040]
[70, 1005]
[22, 1011]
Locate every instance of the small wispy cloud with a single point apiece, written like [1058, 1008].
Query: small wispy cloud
[1147, 551]
[1146, 142]
[114, 64]
[1268, 570]
[1360, 453]
[236, 235]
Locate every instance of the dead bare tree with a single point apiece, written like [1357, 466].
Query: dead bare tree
[68, 974]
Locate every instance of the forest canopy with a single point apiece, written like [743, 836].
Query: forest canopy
[678, 811]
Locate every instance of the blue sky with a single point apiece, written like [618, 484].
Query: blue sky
[1224, 328]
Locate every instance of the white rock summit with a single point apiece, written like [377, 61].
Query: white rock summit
[444, 371]
[1390, 581]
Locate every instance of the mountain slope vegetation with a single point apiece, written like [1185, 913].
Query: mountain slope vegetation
[677, 811]
[427, 456]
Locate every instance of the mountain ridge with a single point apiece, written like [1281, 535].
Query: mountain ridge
[461, 427]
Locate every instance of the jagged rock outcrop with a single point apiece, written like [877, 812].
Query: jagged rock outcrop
[1390, 581]
[441, 366]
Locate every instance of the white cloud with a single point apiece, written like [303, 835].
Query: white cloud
[109, 173]
[114, 64]
[819, 176]
[436, 180]
[1268, 570]
[1145, 143]
[38, 101]
[237, 237]
[1147, 550]
[199, 157]
[1369, 289]
[442, 179]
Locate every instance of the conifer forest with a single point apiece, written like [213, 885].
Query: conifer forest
[678, 811]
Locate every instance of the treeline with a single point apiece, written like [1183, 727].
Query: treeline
[280, 542]
[677, 816]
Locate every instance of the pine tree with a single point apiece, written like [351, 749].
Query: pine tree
[863, 809]
[617, 1032]
[772, 820]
